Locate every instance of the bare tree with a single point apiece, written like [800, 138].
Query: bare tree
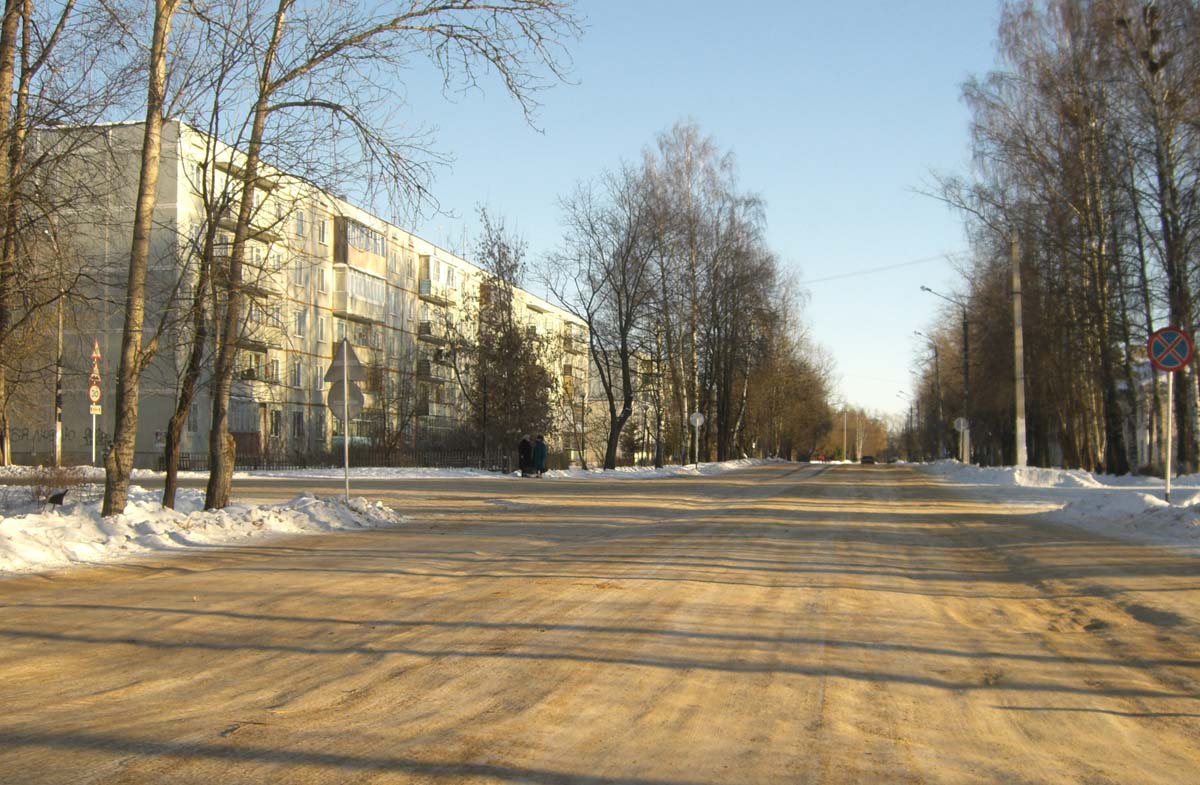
[323, 47]
[605, 276]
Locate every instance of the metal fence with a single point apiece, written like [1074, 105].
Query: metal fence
[498, 461]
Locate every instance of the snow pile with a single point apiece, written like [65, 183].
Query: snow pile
[649, 472]
[76, 532]
[1023, 477]
[34, 538]
[418, 473]
[1130, 507]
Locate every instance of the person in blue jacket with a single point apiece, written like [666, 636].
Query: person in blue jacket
[539, 455]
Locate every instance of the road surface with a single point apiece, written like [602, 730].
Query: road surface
[784, 624]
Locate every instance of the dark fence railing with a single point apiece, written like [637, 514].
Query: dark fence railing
[499, 461]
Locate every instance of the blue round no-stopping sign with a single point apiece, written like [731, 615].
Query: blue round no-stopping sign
[1170, 349]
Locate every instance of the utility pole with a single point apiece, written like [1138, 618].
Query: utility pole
[58, 369]
[1018, 356]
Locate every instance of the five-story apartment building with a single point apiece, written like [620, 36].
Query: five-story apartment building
[317, 269]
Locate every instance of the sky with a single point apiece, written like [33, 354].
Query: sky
[838, 114]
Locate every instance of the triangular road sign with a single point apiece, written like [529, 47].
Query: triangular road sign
[345, 356]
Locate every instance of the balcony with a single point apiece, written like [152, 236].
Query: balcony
[574, 345]
[263, 227]
[238, 172]
[429, 371]
[435, 293]
[261, 284]
[431, 332]
[254, 343]
[356, 309]
[349, 302]
[432, 409]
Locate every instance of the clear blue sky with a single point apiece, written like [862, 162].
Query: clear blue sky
[836, 113]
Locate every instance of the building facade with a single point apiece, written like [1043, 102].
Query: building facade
[317, 269]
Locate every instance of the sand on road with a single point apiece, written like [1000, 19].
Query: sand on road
[783, 624]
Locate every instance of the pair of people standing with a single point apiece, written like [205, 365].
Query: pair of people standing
[531, 456]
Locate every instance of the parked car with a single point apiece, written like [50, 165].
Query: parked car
[867, 459]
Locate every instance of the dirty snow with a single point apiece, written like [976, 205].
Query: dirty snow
[1129, 507]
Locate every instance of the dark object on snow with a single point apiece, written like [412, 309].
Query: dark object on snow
[57, 499]
[525, 456]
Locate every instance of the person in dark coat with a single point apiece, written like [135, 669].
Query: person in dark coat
[539, 455]
[525, 456]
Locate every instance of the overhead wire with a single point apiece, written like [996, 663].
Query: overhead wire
[871, 271]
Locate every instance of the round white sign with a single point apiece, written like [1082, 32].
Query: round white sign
[94, 393]
[696, 419]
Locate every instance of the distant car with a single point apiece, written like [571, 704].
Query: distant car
[867, 459]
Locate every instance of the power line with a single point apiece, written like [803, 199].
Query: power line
[926, 260]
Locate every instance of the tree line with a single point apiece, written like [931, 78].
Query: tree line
[688, 310]
[1082, 198]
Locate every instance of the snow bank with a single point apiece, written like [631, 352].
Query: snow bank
[34, 538]
[649, 472]
[1128, 507]
[76, 533]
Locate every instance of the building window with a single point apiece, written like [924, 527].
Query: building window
[321, 334]
[273, 371]
[301, 323]
[276, 422]
[300, 272]
[301, 229]
[296, 379]
[322, 238]
[366, 239]
[193, 419]
[322, 280]
[298, 425]
[341, 328]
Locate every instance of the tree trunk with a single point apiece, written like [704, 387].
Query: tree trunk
[221, 444]
[8, 49]
[118, 464]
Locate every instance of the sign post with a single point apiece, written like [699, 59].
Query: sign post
[697, 419]
[345, 399]
[94, 393]
[1169, 349]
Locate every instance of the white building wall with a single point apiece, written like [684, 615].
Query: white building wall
[388, 297]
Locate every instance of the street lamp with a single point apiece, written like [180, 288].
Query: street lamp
[58, 352]
[965, 436]
[937, 391]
